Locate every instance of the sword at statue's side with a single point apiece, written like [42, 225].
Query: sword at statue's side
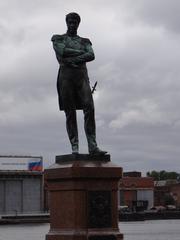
[94, 88]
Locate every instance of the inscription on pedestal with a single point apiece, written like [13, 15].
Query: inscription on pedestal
[99, 209]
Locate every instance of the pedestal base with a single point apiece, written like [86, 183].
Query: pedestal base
[83, 198]
[53, 235]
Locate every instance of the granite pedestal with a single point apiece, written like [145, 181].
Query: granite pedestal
[83, 198]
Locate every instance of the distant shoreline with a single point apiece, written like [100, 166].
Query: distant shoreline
[142, 216]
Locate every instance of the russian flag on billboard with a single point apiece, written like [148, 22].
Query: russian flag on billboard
[35, 165]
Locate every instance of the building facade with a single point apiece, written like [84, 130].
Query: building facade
[167, 192]
[136, 192]
[21, 192]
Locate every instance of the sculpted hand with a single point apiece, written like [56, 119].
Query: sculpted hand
[70, 62]
[81, 52]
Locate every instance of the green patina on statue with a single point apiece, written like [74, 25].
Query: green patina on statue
[73, 87]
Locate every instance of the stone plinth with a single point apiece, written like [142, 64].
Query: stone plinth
[83, 198]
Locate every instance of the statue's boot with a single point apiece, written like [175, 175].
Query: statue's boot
[93, 148]
[97, 152]
[75, 147]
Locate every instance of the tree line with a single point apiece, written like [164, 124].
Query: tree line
[163, 175]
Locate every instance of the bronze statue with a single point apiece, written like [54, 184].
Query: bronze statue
[74, 92]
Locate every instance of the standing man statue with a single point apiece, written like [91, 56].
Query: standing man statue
[74, 92]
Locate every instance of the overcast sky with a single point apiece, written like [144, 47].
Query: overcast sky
[137, 48]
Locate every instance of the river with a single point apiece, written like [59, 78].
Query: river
[147, 230]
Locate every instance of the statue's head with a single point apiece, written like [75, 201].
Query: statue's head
[72, 20]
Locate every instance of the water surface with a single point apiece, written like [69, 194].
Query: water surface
[147, 230]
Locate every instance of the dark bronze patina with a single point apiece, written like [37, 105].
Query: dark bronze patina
[99, 209]
[73, 87]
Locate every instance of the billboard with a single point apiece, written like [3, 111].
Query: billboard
[31, 163]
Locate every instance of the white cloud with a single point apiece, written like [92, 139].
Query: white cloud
[143, 112]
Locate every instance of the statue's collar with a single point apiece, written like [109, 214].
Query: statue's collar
[72, 36]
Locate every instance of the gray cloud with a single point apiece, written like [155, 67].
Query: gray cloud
[163, 13]
[137, 57]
